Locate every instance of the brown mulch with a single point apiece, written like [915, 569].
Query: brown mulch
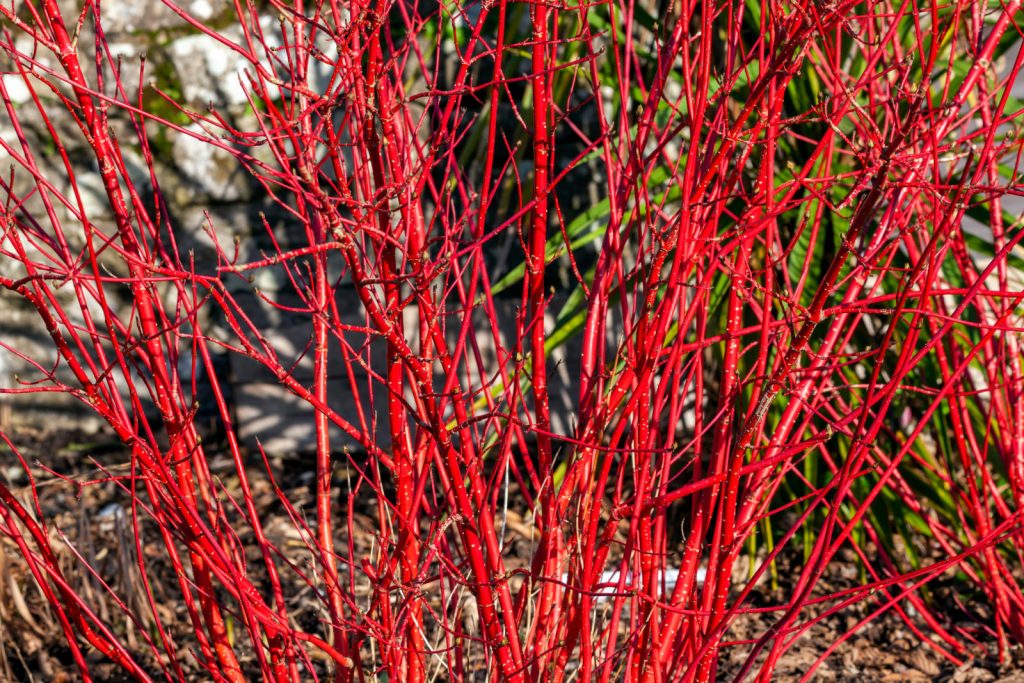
[95, 517]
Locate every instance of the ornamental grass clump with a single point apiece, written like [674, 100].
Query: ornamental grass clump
[623, 324]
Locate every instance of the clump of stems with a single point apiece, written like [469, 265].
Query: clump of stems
[790, 298]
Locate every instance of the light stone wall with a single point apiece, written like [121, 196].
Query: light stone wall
[206, 187]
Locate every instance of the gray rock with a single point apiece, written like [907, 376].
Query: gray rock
[212, 170]
[154, 15]
[211, 72]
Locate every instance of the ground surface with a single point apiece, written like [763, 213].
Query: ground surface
[95, 519]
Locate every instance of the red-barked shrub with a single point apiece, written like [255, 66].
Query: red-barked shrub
[607, 312]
